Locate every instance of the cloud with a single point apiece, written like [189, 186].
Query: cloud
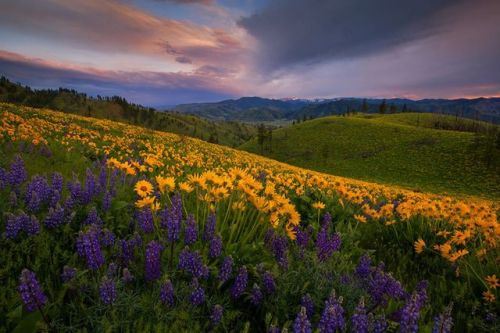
[145, 87]
[291, 32]
[112, 27]
[203, 2]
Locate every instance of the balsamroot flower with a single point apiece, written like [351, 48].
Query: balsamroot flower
[301, 323]
[107, 291]
[240, 283]
[153, 253]
[167, 293]
[30, 291]
[226, 269]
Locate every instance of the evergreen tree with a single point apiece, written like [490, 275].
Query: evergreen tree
[383, 107]
[364, 106]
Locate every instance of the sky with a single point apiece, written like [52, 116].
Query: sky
[166, 52]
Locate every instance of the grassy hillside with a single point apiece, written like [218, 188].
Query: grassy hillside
[399, 149]
[119, 109]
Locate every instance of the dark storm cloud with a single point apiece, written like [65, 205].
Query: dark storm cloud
[296, 31]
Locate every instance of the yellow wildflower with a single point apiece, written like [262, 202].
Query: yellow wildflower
[492, 281]
[360, 218]
[488, 296]
[165, 184]
[318, 205]
[143, 188]
[419, 245]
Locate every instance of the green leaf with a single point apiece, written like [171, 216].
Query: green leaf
[28, 323]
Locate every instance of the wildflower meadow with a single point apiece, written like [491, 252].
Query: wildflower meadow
[108, 227]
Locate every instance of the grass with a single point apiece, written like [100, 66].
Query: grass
[388, 149]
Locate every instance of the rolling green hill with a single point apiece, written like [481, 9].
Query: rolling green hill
[400, 149]
[116, 108]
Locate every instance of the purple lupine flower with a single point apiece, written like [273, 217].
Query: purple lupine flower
[112, 271]
[17, 174]
[380, 325]
[274, 329]
[215, 247]
[268, 282]
[57, 182]
[37, 193]
[327, 244]
[240, 283]
[107, 238]
[326, 220]
[145, 220]
[197, 297]
[107, 291]
[256, 295]
[363, 268]
[172, 219]
[75, 190]
[216, 315]
[90, 190]
[55, 196]
[93, 218]
[192, 262]
[307, 303]
[103, 177]
[68, 273]
[332, 318]
[209, 230]
[14, 226]
[279, 246]
[302, 239]
[30, 291]
[381, 286]
[127, 277]
[226, 269]
[55, 217]
[31, 226]
[359, 319]
[191, 231]
[88, 246]
[127, 248]
[411, 311]
[167, 293]
[12, 199]
[301, 323]
[3, 178]
[443, 322]
[153, 253]
[106, 201]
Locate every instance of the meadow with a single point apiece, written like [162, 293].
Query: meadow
[107, 226]
[403, 149]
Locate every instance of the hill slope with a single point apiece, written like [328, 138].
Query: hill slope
[387, 149]
[119, 109]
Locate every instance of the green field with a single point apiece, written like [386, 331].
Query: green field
[398, 149]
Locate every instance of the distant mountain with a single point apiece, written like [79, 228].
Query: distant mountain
[249, 109]
[257, 109]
